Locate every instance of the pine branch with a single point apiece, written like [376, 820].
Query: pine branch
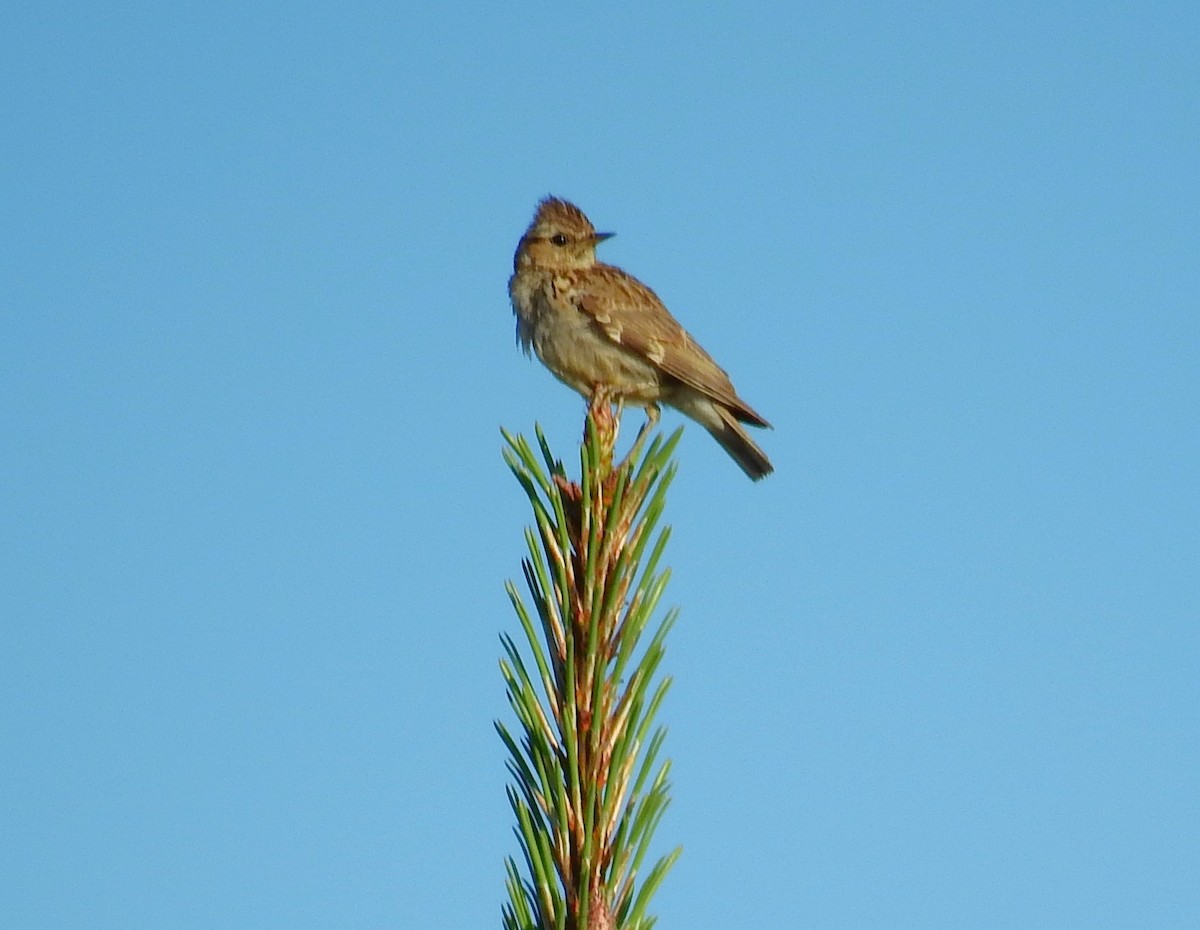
[587, 786]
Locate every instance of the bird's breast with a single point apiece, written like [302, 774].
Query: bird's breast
[575, 349]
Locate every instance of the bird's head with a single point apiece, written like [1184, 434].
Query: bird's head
[559, 237]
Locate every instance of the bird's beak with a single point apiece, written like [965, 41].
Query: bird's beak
[600, 237]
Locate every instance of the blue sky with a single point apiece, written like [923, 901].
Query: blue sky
[940, 670]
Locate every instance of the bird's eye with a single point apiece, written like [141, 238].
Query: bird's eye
[559, 239]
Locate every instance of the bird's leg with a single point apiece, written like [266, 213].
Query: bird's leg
[653, 411]
[652, 414]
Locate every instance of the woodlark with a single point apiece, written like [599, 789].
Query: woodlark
[597, 328]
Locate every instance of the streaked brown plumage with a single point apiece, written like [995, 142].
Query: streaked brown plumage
[594, 326]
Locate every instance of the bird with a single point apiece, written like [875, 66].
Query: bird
[598, 328]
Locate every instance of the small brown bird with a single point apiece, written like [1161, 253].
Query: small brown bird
[596, 327]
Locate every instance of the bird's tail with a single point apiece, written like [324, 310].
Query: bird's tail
[733, 438]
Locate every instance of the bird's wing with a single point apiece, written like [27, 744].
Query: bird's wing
[631, 315]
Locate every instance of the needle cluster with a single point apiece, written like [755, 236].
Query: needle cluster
[587, 785]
